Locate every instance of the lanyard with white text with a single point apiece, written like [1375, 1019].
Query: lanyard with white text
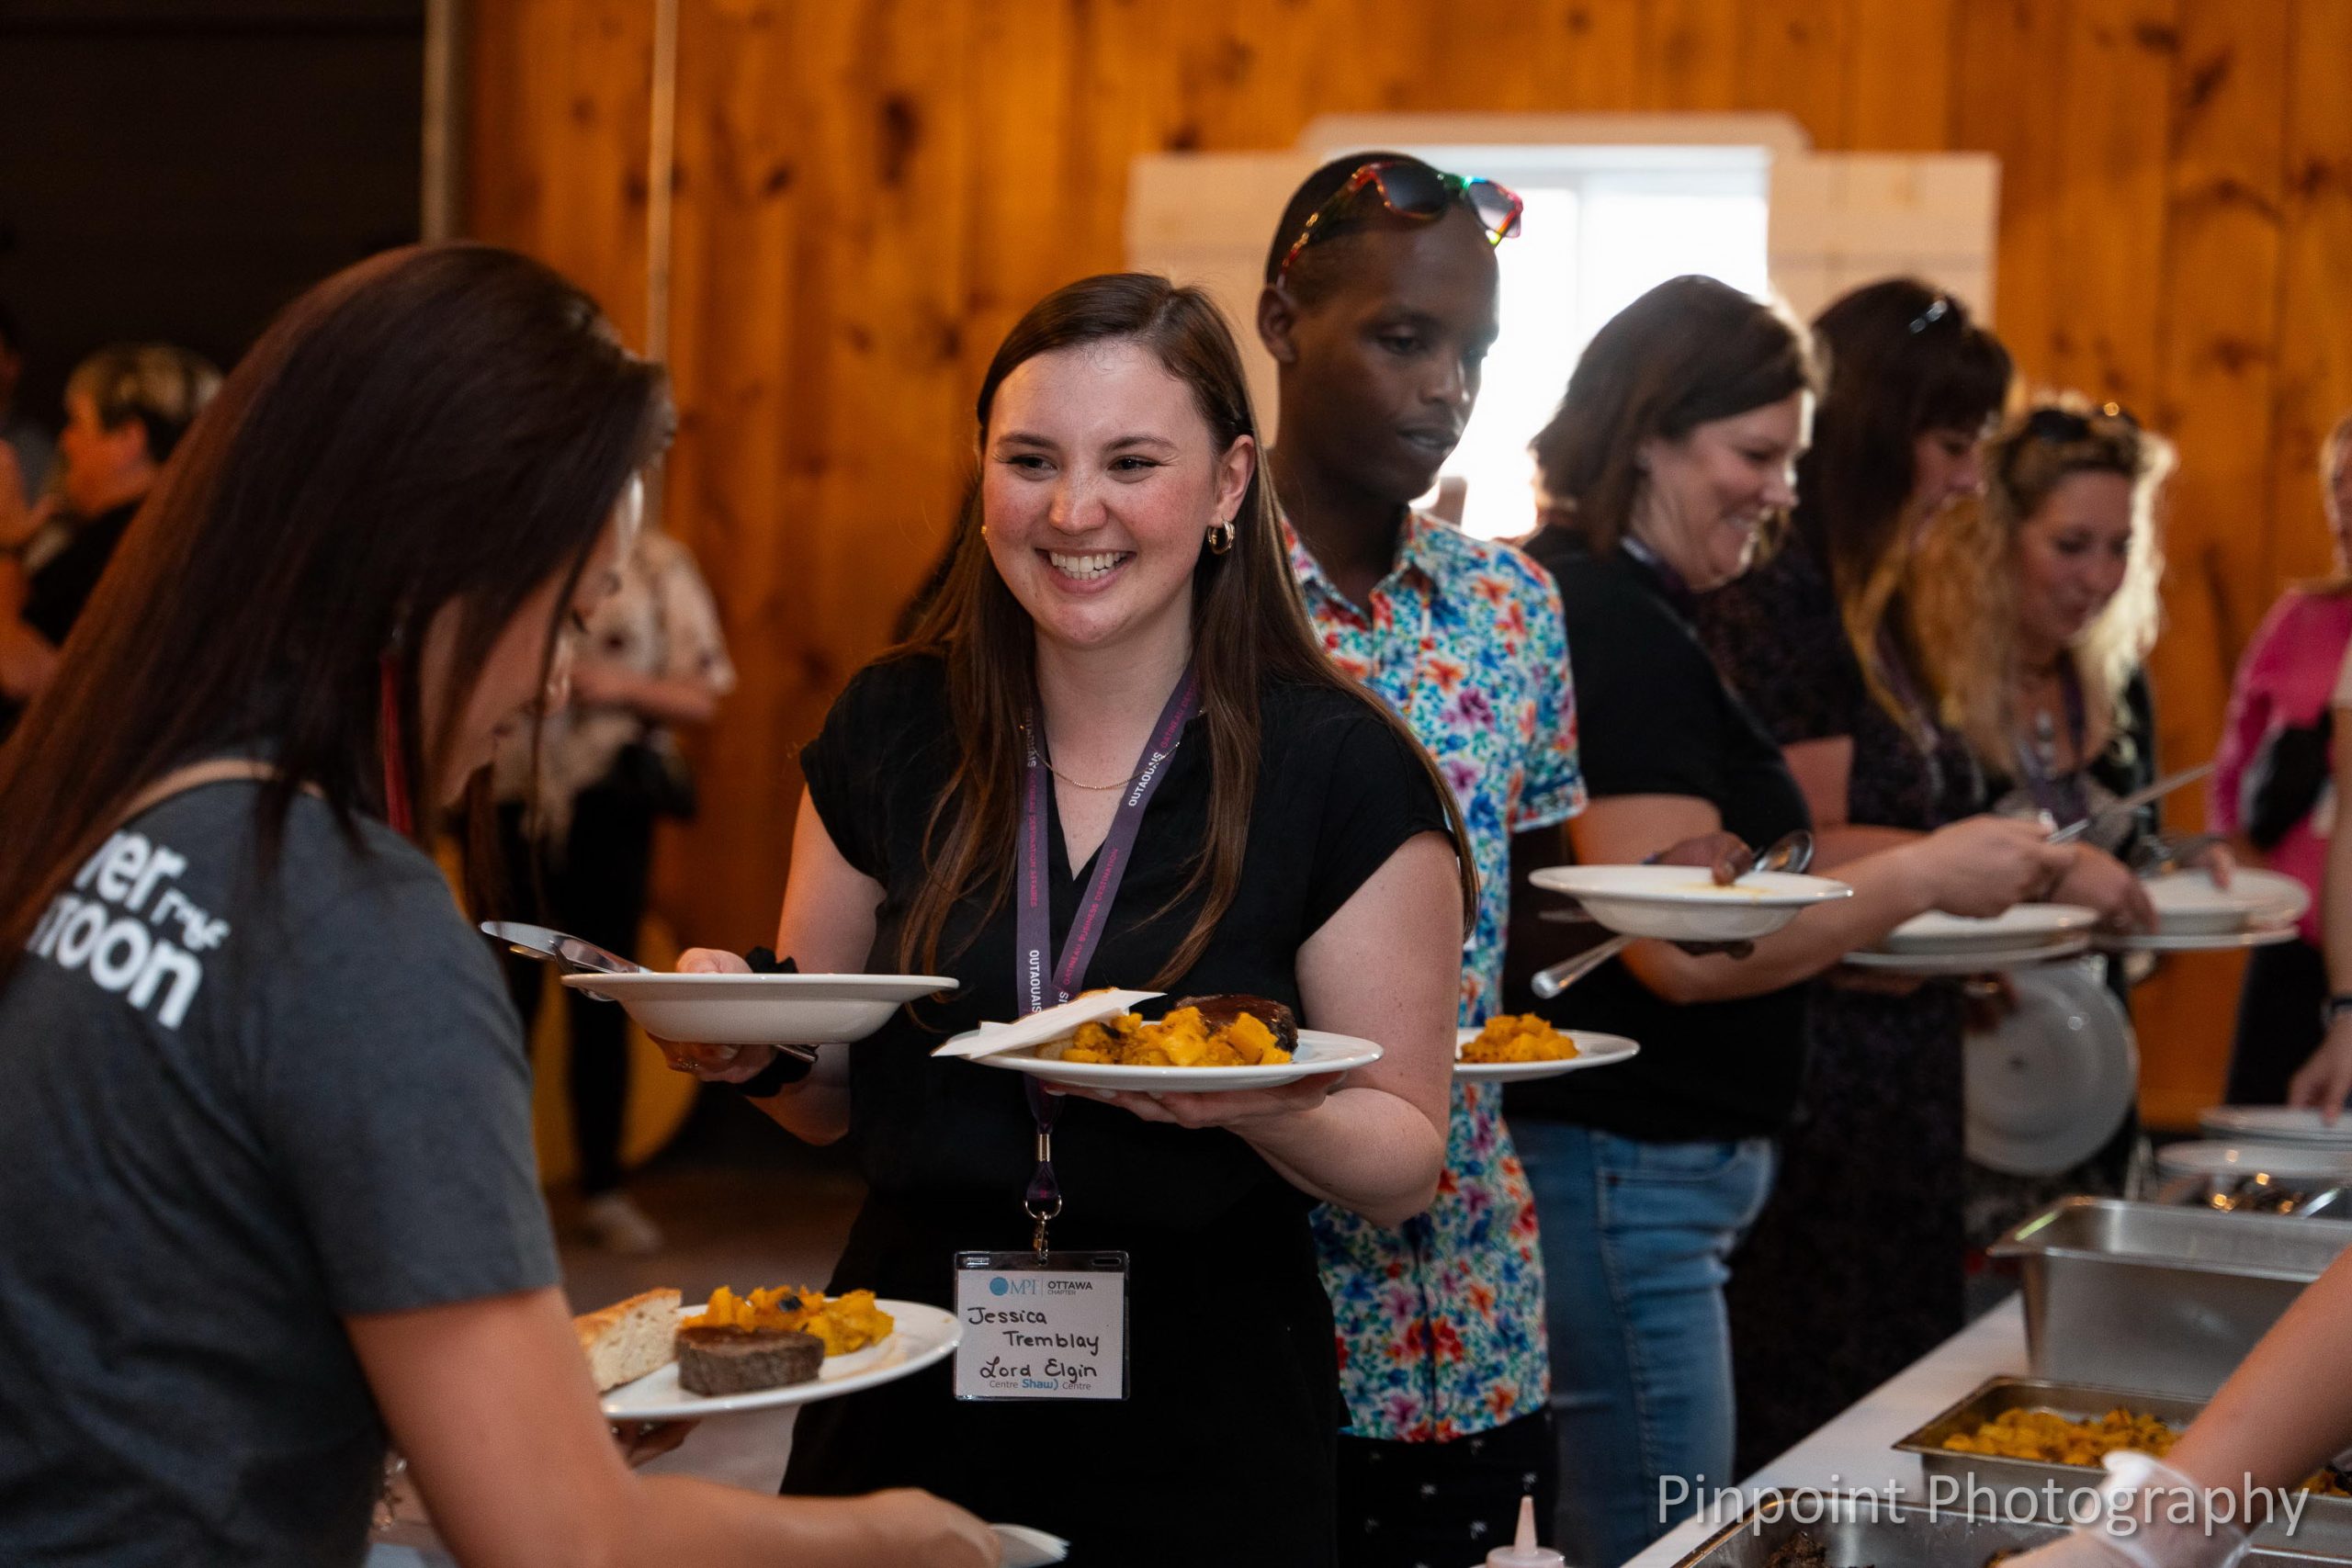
[1037, 986]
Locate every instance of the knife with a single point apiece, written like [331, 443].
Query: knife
[2132, 802]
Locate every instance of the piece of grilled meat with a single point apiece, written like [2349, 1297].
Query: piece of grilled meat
[1218, 1011]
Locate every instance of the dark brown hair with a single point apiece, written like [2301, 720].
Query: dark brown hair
[1250, 626]
[1902, 359]
[445, 426]
[1689, 352]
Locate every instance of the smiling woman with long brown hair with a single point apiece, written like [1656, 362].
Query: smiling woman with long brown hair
[1119, 551]
[271, 1197]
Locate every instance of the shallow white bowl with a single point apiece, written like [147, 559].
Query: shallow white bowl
[2188, 904]
[1681, 903]
[762, 1009]
[2017, 927]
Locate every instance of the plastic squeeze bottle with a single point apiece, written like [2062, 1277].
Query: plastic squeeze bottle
[1523, 1552]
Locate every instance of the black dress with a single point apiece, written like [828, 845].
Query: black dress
[1225, 1449]
[1858, 1265]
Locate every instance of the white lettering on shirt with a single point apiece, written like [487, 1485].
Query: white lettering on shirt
[105, 938]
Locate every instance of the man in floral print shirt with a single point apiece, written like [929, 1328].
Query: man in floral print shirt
[1379, 324]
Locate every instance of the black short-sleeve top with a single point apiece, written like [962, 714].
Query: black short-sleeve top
[1655, 718]
[1338, 791]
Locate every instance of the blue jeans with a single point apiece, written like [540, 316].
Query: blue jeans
[1636, 1238]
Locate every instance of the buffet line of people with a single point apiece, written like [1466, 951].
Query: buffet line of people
[1185, 712]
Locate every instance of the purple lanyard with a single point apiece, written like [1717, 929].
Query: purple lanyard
[1038, 980]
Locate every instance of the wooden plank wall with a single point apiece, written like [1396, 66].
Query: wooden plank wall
[869, 191]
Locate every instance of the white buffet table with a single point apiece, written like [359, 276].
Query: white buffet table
[1855, 1452]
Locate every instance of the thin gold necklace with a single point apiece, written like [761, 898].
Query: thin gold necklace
[1047, 757]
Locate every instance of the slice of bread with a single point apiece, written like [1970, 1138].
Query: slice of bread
[628, 1340]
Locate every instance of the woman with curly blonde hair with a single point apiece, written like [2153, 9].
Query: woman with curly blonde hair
[2036, 608]
[2037, 604]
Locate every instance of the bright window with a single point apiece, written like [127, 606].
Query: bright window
[1603, 225]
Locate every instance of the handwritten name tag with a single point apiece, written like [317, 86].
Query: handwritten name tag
[1049, 1329]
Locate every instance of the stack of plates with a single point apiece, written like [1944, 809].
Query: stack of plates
[2278, 1124]
[2258, 908]
[2283, 1162]
[1960, 944]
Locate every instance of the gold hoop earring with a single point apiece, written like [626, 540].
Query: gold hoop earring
[1221, 536]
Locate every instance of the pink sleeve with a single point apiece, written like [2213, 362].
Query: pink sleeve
[2253, 697]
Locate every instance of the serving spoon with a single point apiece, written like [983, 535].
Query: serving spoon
[1790, 853]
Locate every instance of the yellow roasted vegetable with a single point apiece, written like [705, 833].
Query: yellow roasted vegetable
[1519, 1037]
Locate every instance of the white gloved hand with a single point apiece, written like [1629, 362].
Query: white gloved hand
[2140, 1504]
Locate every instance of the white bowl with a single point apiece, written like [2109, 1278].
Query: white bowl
[2020, 926]
[762, 1009]
[1681, 903]
[2189, 904]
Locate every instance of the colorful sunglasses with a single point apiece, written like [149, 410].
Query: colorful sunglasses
[1416, 190]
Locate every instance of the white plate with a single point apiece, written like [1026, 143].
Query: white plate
[1681, 904]
[1977, 961]
[2197, 941]
[922, 1336]
[1593, 1049]
[762, 1009]
[2292, 1162]
[2048, 1086]
[1318, 1053]
[2188, 903]
[2278, 1123]
[2016, 928]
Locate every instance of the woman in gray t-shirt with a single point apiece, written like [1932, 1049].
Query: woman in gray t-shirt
[270, 1195]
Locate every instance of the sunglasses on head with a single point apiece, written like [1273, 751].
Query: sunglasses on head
[2065, 424]
[1940, 310]
[1416, 190]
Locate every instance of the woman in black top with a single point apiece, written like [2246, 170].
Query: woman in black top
[1298, 845]
[1673, 445]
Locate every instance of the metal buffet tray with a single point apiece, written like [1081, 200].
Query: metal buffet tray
[2324, 1528]
[2164, 1299]
[1870, 1532]
[1865, 1532]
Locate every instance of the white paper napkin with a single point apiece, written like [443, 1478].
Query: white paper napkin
[1026, 1548]
[1039, 1027]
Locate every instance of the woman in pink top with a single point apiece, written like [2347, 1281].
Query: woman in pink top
[2284, 681]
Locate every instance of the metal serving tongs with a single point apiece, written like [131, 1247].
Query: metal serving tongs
[2132, 802]
[1790, 853]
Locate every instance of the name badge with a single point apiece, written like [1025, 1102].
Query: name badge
[1050, 1327]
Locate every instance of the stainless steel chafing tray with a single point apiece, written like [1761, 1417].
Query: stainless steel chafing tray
[1870, 1532]
[2146, 1296]
[1865, 1531]
[2323, 1528]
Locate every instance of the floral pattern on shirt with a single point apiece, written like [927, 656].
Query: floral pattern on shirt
[1440, 1321]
